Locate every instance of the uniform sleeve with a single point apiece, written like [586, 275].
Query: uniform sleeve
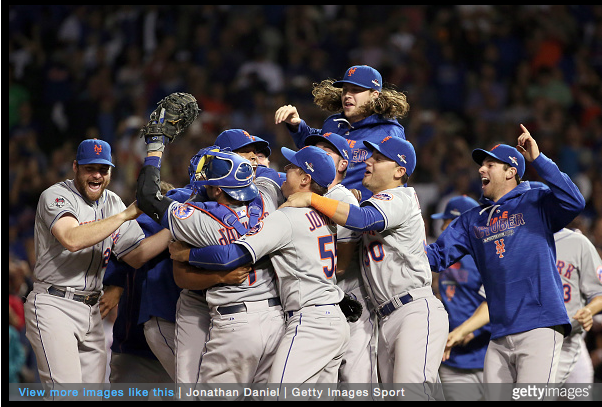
[591, 270]
[219, 257]
[563, 201]
[55, 203]
[453, 244]
[302, 133]
[365, 218]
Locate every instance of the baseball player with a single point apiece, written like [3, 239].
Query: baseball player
[132, 361]
[580, 269]
[359, 362]
[248, 146]
[251, 311]
[79, 224]
[143, 349]
[363, 110]
[461, 291]
[413, 324]
[510, 237]
[301, 245]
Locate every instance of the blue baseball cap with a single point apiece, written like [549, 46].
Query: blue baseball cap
[362, 75]
[397, 149]
[314, 161]
[238, 138]
[94, 151]
[455, 207]
[338, 142]
[504, 153]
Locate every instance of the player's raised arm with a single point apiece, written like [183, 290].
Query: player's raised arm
[75, 237]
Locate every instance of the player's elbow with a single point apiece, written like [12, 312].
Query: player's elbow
[72, 245]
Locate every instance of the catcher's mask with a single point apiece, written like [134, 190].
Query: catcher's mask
[225, 169]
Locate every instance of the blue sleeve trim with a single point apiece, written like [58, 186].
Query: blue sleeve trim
[365, 218]
[218, 257]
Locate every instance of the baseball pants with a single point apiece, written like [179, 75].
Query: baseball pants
[313, 345]
[526, 357]
[192, 325]
[241, 346]
[359, 361]
[471, 380]
[160, 336]
[67, 337]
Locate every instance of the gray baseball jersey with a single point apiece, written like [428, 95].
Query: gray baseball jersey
[352, 278]
[66, 335]
[413, 324]
[301, 244]
[84, 269]
[394, 261]
[580, 269]
[359, 362]
[197, 228]
[259, 327]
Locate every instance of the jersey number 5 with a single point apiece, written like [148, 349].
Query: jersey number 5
[329, 254]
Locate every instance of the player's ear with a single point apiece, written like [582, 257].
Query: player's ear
[305, 179]
[400, 172]
[343, 165]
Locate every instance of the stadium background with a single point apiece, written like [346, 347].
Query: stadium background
[471, 73]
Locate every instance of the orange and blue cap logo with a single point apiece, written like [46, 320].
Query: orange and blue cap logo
[97, 149]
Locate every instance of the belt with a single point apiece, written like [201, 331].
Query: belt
[90, 299]
[397, 302]
[234, 309]
[291, 313]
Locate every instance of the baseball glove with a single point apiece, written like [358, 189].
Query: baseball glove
[352, 308]
[172, 116]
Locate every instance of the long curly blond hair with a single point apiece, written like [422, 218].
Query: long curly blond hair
[390, 104]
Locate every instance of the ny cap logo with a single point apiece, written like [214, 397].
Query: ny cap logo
[97, 149]
[246, 133]
[351, 71]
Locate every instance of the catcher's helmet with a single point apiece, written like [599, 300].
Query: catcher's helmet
[225, 169]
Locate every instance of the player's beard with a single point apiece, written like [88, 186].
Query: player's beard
[91, 188]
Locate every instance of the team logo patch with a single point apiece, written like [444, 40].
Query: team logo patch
[255, 229]
[59, 202]
[183, 211]
[599, 273]
[383, 196]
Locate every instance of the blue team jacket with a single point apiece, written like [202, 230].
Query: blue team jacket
[373, 128]
[512, 243]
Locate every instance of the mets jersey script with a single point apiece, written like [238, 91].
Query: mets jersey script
[352, 278]
[82, 270]
[302, 246]
[394, 261]
[190, 224]
[580, 269]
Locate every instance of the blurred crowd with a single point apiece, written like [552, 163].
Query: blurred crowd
[471, 73]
